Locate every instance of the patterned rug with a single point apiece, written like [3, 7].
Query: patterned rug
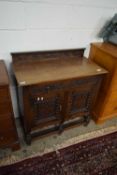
[92, 157]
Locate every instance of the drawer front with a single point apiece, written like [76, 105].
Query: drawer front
[5, 108]
[6, 123]
[7, 137]
[4, 94]
[66, 85]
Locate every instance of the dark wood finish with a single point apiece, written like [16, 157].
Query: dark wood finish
[105, 55]
[55, 89]
[8, 132]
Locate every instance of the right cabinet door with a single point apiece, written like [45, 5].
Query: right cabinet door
[79, 103]
[81, 99]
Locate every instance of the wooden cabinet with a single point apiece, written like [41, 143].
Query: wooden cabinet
[8, 132]
[105, 55]
[56, 90]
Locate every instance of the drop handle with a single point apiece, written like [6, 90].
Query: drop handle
[42, 98]
[38, 98]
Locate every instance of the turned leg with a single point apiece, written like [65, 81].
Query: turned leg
[86, 120]
[60, 129]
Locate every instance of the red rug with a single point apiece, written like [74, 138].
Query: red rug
[93, 157]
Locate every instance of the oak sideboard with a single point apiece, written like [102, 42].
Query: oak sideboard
[56, 90]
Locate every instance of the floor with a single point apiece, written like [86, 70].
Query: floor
[53, 142]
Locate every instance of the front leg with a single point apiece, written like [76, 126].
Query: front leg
[86, 120]
[60, 129]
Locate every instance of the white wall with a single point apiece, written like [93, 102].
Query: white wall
[27, 25]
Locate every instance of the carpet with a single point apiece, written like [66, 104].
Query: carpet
[92, 157]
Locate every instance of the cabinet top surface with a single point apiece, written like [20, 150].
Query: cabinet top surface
[54, 70]
[3, 74]
[108, 48]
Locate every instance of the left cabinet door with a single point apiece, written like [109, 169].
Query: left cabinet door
[45, 108]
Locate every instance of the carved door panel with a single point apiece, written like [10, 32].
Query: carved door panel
[47, 108]
[79, 102]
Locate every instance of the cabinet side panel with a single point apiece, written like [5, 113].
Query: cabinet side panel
[105, 61]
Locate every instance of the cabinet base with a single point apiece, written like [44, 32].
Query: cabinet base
[57, 129]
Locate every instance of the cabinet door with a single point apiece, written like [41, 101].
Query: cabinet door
[80, 102]
[46, 108]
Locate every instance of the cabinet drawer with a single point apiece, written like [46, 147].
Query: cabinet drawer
[6, 123]
[5, 108]
[7, 137]
[4, 94]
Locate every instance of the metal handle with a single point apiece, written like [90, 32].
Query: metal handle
[38, 98]
[42, 98]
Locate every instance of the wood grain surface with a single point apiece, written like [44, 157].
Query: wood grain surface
[105, 55]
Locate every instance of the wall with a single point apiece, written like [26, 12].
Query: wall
[27, 25]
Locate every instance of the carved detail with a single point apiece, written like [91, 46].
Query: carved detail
[46, 110]
[58, 86]
[22, 58]
[80, 102]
